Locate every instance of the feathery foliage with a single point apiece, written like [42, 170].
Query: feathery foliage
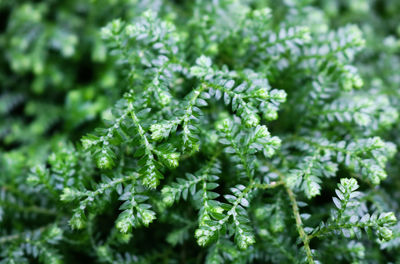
[226, 131]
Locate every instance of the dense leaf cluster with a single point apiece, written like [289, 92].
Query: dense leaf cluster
[223, 131]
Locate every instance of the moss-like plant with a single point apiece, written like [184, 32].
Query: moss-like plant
[229, 131]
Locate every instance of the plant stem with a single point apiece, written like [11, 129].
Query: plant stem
[296, 214]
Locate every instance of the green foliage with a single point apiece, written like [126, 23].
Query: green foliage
[199, 131]
[347, 220]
